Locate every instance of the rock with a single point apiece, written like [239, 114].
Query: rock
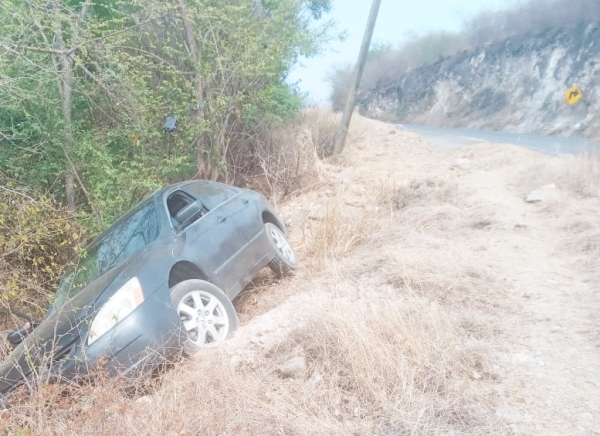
[317, 214]
[315, 379]
[543, 194]
[462, 164]
[145, 400]
[293, 368]
[529, 294]
[483, 87]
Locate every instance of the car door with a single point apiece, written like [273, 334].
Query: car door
[214, 241]
[251, 222]
[247, 217]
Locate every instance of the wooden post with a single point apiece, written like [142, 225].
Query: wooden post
[340, 139]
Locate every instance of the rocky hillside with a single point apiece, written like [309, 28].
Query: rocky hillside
[517, 84]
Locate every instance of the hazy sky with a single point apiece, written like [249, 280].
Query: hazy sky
[397, 20]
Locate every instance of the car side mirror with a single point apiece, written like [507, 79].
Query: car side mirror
[18, 335]
[189, 213]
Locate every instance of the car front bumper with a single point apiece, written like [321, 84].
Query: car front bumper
[150, 335]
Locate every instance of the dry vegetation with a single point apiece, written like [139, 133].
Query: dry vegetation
[288, 159]
[37, 238]
[407, 309]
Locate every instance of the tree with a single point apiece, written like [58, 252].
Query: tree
[88, 85]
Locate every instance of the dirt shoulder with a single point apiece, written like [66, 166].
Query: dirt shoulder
[544, 258]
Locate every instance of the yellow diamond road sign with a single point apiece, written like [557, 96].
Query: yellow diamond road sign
[573, 95]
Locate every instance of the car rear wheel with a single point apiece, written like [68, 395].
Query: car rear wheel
[285, 259]
[207, 315]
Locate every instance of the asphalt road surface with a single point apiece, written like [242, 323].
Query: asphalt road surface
[449, 138]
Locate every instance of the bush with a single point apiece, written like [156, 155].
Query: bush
[280, 161]
[37, 239]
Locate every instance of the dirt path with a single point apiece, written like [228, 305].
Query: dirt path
[553, 350]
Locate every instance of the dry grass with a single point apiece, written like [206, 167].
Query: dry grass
[576, 176]
[395, 310]
[392, 343]
[378, 362]
[335, 229]
[290, 159]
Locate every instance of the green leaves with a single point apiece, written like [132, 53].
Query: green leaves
[127, 66]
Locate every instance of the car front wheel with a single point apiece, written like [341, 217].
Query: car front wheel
[207, 315]
[285, 259]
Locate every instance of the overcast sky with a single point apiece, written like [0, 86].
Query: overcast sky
[398, 19]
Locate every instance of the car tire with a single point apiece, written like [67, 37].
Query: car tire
[285, 259]
[207, 315]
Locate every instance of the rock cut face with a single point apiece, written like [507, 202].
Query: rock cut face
[518, 85]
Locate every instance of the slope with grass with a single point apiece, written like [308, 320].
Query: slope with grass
[432, 299]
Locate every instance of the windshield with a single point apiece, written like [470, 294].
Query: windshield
[116, 245]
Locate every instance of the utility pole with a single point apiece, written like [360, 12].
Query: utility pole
[340, 138]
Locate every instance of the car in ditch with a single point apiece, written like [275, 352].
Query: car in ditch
[159, 281]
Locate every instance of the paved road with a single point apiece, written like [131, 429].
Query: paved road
[449, 138]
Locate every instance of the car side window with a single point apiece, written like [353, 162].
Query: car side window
[184, 209]
[177, 201]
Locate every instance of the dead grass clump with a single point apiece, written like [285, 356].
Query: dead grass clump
[453, 277]
[388, 363]
[578, 176]
[289, 158]
[335, 229]
[321, 126]
[53, 408]
[424, 191]
[584, 177]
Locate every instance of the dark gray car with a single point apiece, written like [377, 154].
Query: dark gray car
[158, 281]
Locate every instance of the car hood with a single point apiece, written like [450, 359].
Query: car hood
[60, 332]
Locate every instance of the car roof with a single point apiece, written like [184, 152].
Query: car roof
[149, 199]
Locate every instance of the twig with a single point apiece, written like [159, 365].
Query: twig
[117, 32]
[12, 191]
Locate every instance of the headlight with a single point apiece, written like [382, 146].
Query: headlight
[116, 308]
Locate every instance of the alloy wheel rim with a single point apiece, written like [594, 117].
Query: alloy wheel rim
[204, 318]
[282, 244]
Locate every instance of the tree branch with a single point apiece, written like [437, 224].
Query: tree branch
[12, 191]
[117, 32]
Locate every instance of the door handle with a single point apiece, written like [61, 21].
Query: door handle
[221, 219]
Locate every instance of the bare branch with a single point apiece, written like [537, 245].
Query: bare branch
[158, 58]
[12, 191]
[117, 32]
